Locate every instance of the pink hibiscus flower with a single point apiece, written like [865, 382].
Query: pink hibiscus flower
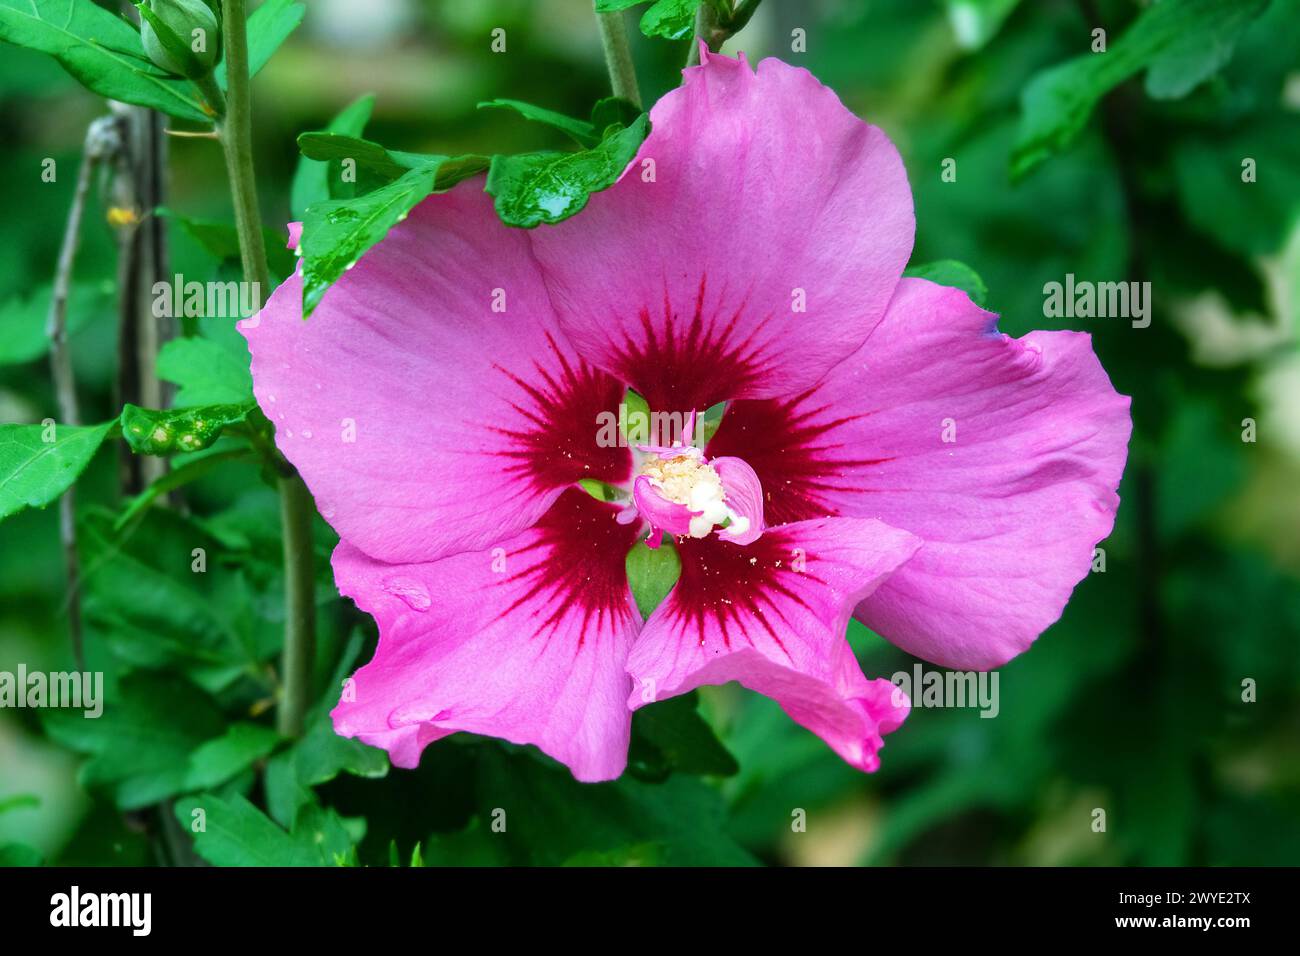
[445, 440]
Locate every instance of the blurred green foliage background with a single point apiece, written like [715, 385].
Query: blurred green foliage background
[1132, 703]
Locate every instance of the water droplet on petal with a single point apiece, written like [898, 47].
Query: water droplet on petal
[411, 591]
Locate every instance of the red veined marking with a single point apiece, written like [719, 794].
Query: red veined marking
[687, 363]
[790, 444]
[578, 554]
[733, 587]
[558, 445]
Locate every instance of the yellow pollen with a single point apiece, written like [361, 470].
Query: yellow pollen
[686, 479]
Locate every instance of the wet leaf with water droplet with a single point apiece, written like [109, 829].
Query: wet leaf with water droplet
[337, 233]
[670, 19]
[547, 187]
[171, 431]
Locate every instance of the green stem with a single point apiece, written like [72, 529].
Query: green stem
[236, 132]
[716, 22]
[212, 95]
[618, 57]
[296, 508]
[296, 511]
[706, 25]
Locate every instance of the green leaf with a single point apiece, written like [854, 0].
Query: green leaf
[268, 27]
[22, 320]
[1183, 43]
[386, 163]
[143, 752]
[312, 178]
[584, 133]
[317, 758]
[670, 19]
[235, 833]
[651, 573]
[321, 755]
[140, 746]
[950, 272]
[552, 817]
[612, 111]
[218, 760]
[155, 609]
[337, 233]
[101, 51]
[221, 241]
[171, 431]
[670, 735]
[535, 188]
[33, 471]
[206, 373]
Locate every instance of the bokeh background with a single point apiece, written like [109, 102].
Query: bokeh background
[1132, 703]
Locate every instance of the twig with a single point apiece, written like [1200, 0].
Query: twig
[141, 263]
[102, 142]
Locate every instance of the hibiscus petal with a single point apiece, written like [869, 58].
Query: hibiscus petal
[526, 642]
[772, 616]
[423, 421]
[663, 515]
[1009, 511]
[766, 191]
[744, 497]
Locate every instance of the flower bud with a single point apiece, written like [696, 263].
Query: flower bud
[180, 36]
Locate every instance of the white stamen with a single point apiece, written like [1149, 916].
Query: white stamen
[688, 480]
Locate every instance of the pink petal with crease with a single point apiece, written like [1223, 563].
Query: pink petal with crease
[527, 642]
[1009, 511]
[744, 495]
[773, 617]
[766, 192]
[424, 422]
